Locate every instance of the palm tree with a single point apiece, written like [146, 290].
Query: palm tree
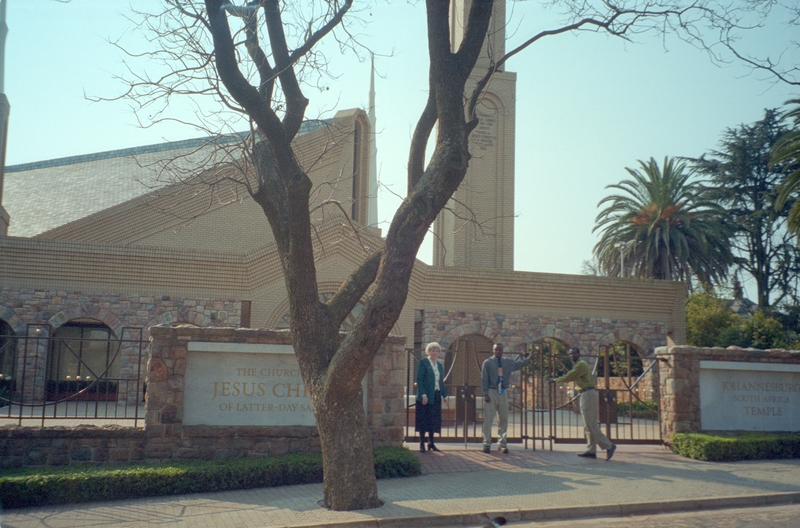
[663, 227]
[786, 151]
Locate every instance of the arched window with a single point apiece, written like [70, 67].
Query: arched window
[81, 349]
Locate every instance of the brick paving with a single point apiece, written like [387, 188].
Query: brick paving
[465, 487]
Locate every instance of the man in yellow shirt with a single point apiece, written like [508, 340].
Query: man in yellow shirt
[581, 374]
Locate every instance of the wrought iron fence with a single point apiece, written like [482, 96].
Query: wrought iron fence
[52, 377]
[628, 404]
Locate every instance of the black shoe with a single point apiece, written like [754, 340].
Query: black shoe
[610, 451]
[504, 450]
[422, 448]
[487, 449]
[587, 455]
[432, 447]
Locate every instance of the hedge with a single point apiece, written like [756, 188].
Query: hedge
[30, 487]
[737, 446]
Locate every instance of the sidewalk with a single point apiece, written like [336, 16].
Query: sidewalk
[465, 487]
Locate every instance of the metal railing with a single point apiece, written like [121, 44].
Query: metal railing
[628, 407]
[51, 379]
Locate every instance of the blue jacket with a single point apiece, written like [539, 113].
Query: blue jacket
[426, 382]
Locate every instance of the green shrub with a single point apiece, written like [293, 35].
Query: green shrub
[29, 487]
[641, 409]
[741, 446]
[395, 461]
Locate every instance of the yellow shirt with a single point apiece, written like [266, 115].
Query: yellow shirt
[581, 374]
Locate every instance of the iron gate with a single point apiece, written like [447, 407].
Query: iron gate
[627, 388]
[462, 415]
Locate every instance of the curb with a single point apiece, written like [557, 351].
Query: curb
[573, 512]
[656, 507]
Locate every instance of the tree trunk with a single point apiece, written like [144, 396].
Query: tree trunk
[349, 472]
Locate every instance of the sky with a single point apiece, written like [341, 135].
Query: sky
[587, 106]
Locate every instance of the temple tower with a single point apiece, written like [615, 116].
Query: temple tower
[479, 231]
[5, 110]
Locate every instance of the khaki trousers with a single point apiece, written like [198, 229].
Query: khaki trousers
[498, 405]
[591, 426]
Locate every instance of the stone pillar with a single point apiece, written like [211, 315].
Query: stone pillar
[679, 376]
[33, 367]
[386, 382]
[679, 391]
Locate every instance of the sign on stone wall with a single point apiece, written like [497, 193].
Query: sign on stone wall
[736, 396]
[244, 384]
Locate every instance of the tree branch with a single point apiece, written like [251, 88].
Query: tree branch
[296, 102]
[353, 289]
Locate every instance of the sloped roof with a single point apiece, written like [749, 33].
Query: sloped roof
[44, 195]
[209, 180]
[743, 307]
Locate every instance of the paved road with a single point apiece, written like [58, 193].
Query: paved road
[771, 516]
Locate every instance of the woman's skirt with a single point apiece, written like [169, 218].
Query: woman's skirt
[428, 418]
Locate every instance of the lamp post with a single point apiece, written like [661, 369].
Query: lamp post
[621, 247]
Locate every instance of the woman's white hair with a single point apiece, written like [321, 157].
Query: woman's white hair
[432, 345]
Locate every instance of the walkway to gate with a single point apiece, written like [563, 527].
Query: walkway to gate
[523, 485]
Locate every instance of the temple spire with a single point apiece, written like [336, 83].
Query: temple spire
[372, 210]
[494, 47]
[5, 110]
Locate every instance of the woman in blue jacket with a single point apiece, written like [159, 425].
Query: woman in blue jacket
[430, 392]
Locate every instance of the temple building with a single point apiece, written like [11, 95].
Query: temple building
[167, 234]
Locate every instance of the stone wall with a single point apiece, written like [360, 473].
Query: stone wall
[50, 309]
[167, 437]
[23, 306]
[59, 446]
[679, 375]
[588, 333]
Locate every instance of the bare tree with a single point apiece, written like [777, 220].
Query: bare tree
[255, 58]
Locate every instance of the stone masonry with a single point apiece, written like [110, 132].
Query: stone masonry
[60, 446]
[168, 438]
[513, 330]
[679, 374]
[41, 312]
[164, 437]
